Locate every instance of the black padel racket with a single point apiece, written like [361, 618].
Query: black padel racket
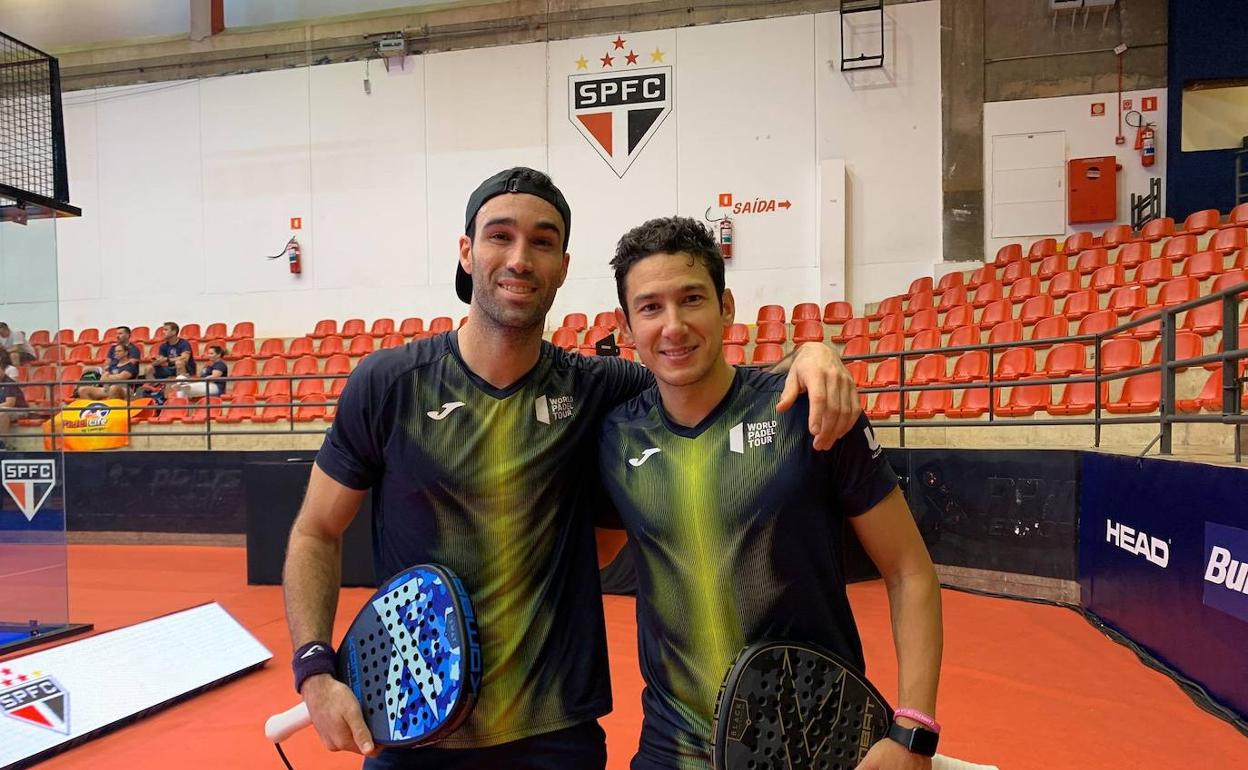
[785, 706]
[411, 656]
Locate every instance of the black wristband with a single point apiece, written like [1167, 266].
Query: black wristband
[311, 659]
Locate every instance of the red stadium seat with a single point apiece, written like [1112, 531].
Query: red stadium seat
[1025, 400]
[769, 313]
[1130, 255]
[1051, 266]
[996, 312]
[312, 407]
[1179, 248]
[216, 331]
[1050, 328]
[953, 297]
[771, 331]
[1006, 331]
[1064, 283]
[971, 366]
[988, 292]
[237, 390]
[1091, 260]
[352, 327]
[972, 403]
[981, 276]
[1203, 320]
[767, 353]
[91, 336]
[928, 339]
[933, 367]
[1239, 216]
[241, 407]
[1066, 359]
[886, 307]
[1107, 278]
[1041, 249]
[276, 391]
[273, 412]
[889, 324]
[441, 325]
[310, 387]
[885, 374]
[1176, 291]
[273, 367]
[272, 347]
[110, 335]
[805, 311]
[922, 321]
[891, 343]
[1156, 229]
[1140, 393]
[1014, 271]
[885, 405]
[965, 335]
[324, 328]
[919, 285]
[959, 315]
[837, 312]
[1097, 323]
[1202, 221]
[300, 346]
[382, 327]
[410, 327]
[174, 410]
[857, 370]
[577, 322]
[1120, 353]
[80, 354]
[341, 364]
[245, 368]
[1016, 364]
[190, 332]
[1203, 264]
[734, 354]
[1186, 345]
[1228, 240]
[919, 302]
[594, 334]
[1024, 289]
[1116, 235]
[1078, 398]
[857, 346]
[1007, 254]
[306, 365]
[396, 341]
[1080, 303]
[361, 345]
[808, 331]
[736, 334]
[1079, 241]
[1035, 309]
[931, 403]
[1230, 278]
[243, 330]
[65, 337]
[949, 281]
[1148, 330]
[40, 337]
[854, 327]
[1127, 299]
[330, 346]
[1153, 272]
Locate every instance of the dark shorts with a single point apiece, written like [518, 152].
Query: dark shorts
[164, 372]
[580, 747]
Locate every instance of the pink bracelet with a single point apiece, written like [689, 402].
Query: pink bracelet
[918, 716]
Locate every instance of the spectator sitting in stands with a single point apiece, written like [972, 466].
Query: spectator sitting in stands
[211, 381]
[174, 356]
[123, 338]
[15, 343]
[6, 365]
[122, 365]
[12, 405]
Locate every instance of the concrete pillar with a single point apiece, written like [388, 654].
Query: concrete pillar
[962, 127]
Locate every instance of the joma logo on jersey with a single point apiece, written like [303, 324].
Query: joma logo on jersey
[28, 482]
[1130, 540]
[754, 434]
[618, 112]
[38, 701]
[548, 408]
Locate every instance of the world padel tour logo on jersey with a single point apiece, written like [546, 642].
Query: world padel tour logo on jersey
[621, 106]
[28, 482]
[35, 699]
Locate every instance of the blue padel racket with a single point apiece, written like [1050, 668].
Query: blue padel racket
[411, 657]
[787, 705]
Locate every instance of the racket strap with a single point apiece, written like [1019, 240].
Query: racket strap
[311, 659]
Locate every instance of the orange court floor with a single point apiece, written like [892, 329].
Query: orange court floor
[1024, 686]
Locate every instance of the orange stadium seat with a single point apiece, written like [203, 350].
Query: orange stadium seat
[410, 327]
[1148, 330]
[981, 276]
[1140, 393]
[1230, 239]
[1131, 255]
[300, 346]
[855, 346]
[1156, 229]
[1239, 216]
[734, 354]
[933, 367]
[767, 353]
[885, 405]
[309, 387]
[931, 403]
[765, 313]
[1025, 400]
[336, 386]
[854, 327]
[889, 324]
[1120, 353]
[1051, 266]
[857, 370]
[808, 331]
[566, 338]
[1016, 364]
[352, 327]
[441, 325]
[1202, 221]
[39, 337]
[1014, 271]
[394, 340]
[805, 311]
[110, 335]
[174, 410]
[949, 281]
[593, 334]
[1066, 359]
[1230, 278]
[972, 403]
[1064, 283]
[1051, 328]
[324, 328]
[1176, 291]
[203, 410]
[771, 331]
[837, 312]
[190, 332]
[1035, 309]
[276, 390]
[1116, 235]
[920, 285]
[577, 322]
[215, 331]
[953, 297]
[65, 337]
[80, 354]
[244, 368]
[1041, 249]
[241, 407]
[361, 345]
[274, 366]
[922, 321]
[1127, 299]
[1098, 322]
[382, 327]
[1153, 272]
[996, 312]
[988, 292]
[885, 374]
[273, 412]
[928, 339]
[887, 306]
[1080, 303]
[245, 348]
[1078, 398]
[1179, 248]
[891, 343]
[960, 315]
[917, 303]
[1006, 331]
[1186, 345]
[306, 365]
[965, 335]
[1091, 260]
[272, 347]
[329, 346]
[1107, 278]
[971, 366]
[69, 374]
[1203, 264]
[1007, 254]
[1204, 320]
[339, 364]
[140, 335]
[243, 330]
[1024, 289]
[238, 390]
[1079, 241]
[91, 335]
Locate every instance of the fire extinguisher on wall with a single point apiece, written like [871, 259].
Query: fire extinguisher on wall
[1145, 138]
[295, 253]
[725, 237]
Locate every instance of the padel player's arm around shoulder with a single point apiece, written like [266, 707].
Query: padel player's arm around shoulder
[311, 579]
[889, 535]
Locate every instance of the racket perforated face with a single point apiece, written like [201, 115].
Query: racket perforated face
[412, 657]
[787, 706]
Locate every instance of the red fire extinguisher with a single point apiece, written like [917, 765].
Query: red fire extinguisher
[1145, 142]
[725, 237]
[295, 254]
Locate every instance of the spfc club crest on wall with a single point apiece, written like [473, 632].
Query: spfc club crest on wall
[622, 105]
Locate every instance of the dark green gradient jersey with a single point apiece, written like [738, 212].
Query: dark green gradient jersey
[737, 527]
[494, 484]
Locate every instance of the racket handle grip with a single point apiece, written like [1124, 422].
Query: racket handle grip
[281, 726]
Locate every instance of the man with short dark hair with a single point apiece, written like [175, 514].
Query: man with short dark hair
[123, 338]
[736, 522]
[174, 357]
[122, 369]
[478, 445]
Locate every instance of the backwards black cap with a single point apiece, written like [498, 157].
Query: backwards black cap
[513, 180]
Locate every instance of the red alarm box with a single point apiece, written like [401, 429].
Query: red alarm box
[1092, 189]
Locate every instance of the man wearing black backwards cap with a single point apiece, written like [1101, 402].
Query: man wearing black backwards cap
[479, 448]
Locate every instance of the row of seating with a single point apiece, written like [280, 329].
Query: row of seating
[306, 408]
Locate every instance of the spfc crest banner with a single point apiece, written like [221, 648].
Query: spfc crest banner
[618, 111]
[28, 482]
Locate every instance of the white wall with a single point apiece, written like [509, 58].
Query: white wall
[1086, 136]
[187, 186]
[51, 24]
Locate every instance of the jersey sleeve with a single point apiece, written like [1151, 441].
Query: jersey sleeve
[352, 453]
[860, 475]
[622, 379]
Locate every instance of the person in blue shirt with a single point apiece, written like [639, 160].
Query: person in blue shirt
[212, 378]
[132, 350]
[123, 369]
[174, 358]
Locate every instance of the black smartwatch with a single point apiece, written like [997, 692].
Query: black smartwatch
[917, 740]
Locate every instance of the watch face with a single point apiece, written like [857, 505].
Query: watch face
[918, 740]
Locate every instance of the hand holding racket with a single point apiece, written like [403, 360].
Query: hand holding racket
[411, 659]
[785, 706]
